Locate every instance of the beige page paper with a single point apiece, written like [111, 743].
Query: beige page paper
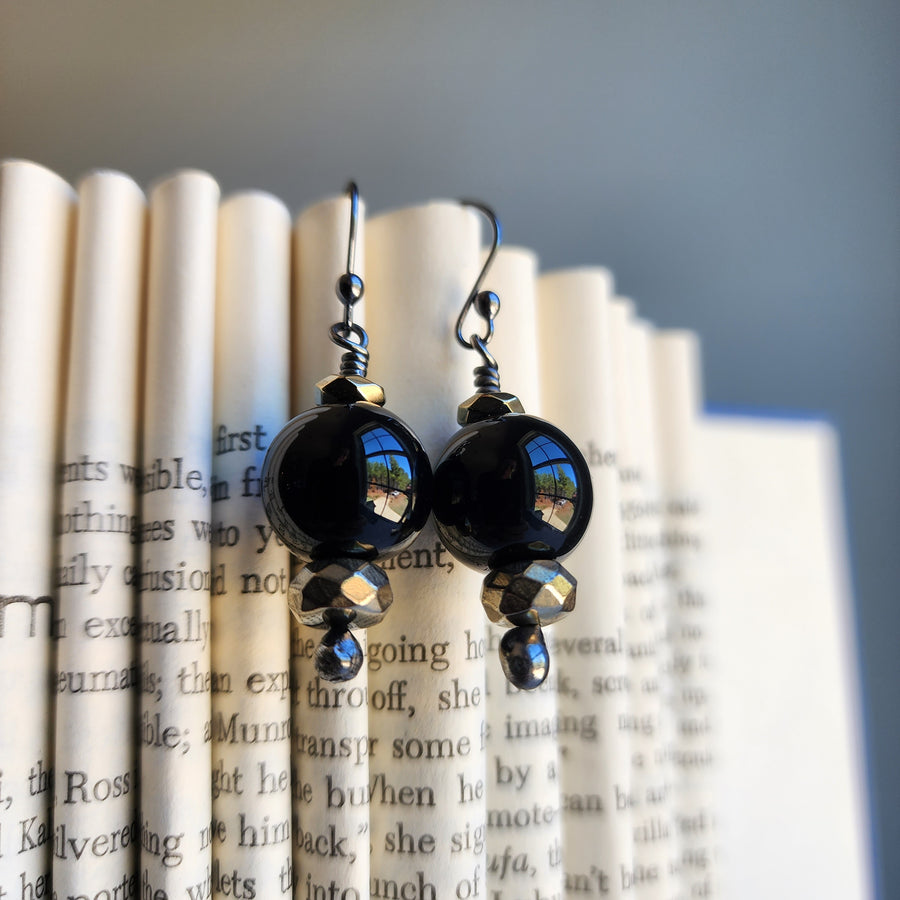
[588, 646]
[427, 659]
[676, 370]
[174, 578]
[525, 860]
[98, 675]
[651, 791]
[790, 778]
[250, 686]
[331, 721]
[36, 231]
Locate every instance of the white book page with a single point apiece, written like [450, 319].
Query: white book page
[251, 711]
[174, 577]
[651, 791]
[426, 659]
[523, 762]
[588, 648]
[36, 232]
[98, 676]
[791, 790]
[658, 830]
[331, 721]
[676, 371]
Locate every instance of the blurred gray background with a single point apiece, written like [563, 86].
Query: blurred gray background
[737, 165]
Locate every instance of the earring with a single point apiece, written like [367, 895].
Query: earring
[512, 494]
[344, 484]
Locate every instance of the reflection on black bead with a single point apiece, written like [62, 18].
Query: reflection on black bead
[524, 657]
[346, 481]
[509, 489]
[338, 656]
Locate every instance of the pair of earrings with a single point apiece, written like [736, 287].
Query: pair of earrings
[347, 483]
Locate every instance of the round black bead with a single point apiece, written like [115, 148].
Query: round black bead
[346, 481]
[509, 489]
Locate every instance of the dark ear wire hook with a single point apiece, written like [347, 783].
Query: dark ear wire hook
[349, 336]
[353, 192]
[486, 305]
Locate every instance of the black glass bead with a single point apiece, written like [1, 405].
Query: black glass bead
[509, 489]
[524, 657]
[346, 481]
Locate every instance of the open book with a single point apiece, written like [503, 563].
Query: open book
[163, 730]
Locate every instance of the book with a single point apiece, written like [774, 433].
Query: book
[698, 735]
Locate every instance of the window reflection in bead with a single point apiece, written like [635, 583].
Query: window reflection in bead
[555, 482]
[388, 475]
[346, 481]
[509, 489]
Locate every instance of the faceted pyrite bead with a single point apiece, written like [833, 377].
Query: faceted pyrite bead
[346, 480]
[356, 588]
[536, 592]
[487, 406]
[349, 389]
[509, 489]
[339, 594]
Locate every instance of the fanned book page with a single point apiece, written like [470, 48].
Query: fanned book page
[250, 681]
[524, 839]
[658, 829]
[588, 646]
[175, 581]
[426, 660]
[36, 232]
[675, 359]
[331, 744]
[98, 676]
[790, 780]
[650, 794]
